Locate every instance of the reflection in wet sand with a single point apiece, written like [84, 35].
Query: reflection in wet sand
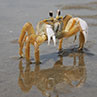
[51, 79]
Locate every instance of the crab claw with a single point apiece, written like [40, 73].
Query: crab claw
[50, 34]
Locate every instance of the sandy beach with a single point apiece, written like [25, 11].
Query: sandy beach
[73, 74]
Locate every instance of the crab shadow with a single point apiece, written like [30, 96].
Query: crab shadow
[73, 50]
[66, 53]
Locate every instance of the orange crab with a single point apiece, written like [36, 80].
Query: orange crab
[46, 29]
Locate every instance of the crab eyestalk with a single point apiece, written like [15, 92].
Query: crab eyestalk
[51, 13]
[58, 13]
[51, 16]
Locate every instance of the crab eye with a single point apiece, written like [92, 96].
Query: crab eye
[59, 12]
[51, 14]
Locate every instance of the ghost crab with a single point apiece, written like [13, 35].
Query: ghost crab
[49, 28]
[69, 26]
[44, 31]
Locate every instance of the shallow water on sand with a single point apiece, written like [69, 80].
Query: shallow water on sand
[69, 73]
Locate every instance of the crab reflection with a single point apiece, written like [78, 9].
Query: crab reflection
[53, 79]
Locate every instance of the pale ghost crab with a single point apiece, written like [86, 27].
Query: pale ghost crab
[65, 27]
[44, 31]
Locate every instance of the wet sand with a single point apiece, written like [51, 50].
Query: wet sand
[69, 73]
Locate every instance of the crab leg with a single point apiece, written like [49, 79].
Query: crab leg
[73, 31]
[81, 41]
[36, 52]
[26, 28]
[70, 24]
[21, 42]
[27, 49]
[36, 41]
[60, 44]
